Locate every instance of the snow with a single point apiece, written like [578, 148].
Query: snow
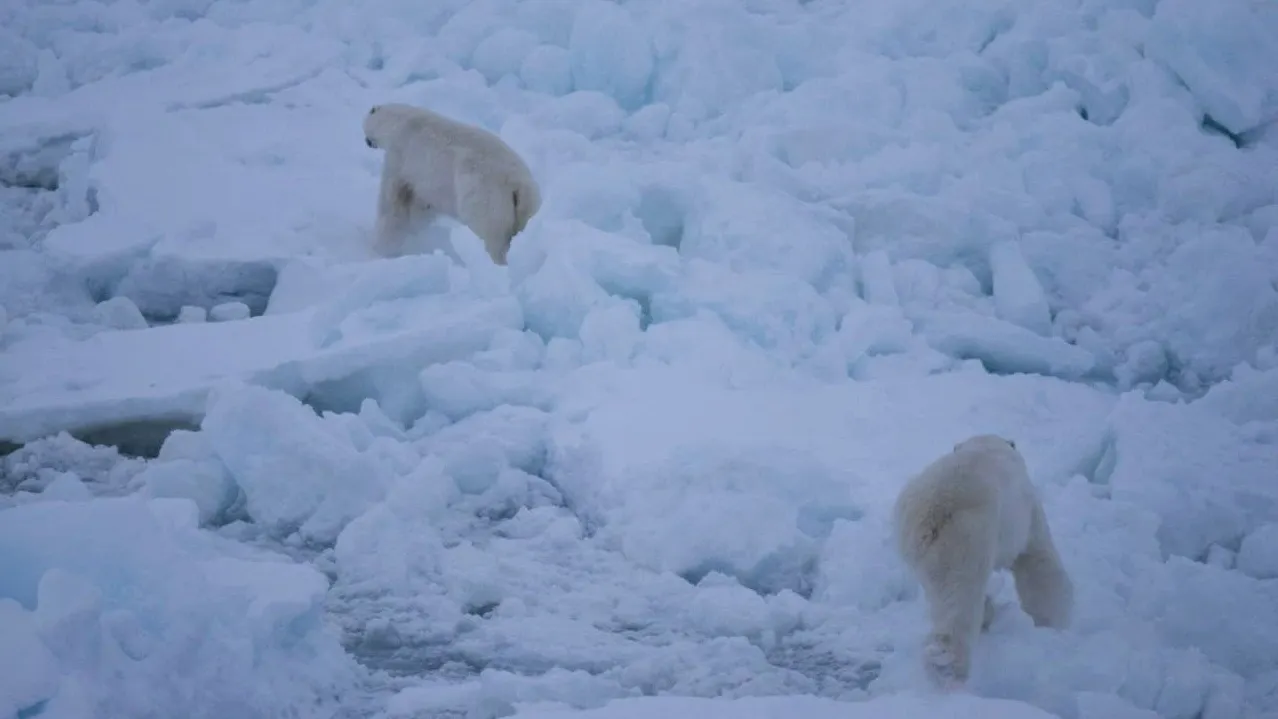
[135, 608]
[760, 708]
[789, 253]
[1258, 554]
[1219, 64]
[1018, 296]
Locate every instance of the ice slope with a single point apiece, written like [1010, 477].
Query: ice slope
[789, 252]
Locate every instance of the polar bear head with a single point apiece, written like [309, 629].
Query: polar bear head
[385, 121]
[985, 443]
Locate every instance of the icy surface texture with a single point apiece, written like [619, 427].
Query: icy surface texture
[789, 252]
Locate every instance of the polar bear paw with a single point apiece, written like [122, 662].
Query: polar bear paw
[946, 662]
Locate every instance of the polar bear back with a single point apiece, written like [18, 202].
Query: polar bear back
[440, 142]
[981, 473]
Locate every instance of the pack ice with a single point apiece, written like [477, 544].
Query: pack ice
[788, 254]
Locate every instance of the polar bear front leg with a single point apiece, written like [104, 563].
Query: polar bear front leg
[989, 614]
[394, 213]
[495, 225]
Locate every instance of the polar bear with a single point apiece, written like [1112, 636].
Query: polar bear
[970, 513]
[438, 166]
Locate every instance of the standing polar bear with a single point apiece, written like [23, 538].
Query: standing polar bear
[970, 513]
[438, 166]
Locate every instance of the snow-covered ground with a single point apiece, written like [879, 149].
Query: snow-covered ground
[790, 252]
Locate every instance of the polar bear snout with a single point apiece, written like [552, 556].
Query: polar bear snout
[369, 129]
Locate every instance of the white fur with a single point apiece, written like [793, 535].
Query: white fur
[970, 513]
[438, 166]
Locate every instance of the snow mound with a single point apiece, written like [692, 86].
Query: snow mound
[1003, 347]
[296, 471]
[689, 476]
[1172, 460]
[1017, 293]
[137, 613]
[1258, 553]
[1221, 57]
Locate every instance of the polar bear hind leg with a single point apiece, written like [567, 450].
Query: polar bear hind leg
[488, 209]
[1043, 587]
[954, 567]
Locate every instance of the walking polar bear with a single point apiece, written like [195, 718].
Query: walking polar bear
[438, 166]
[970, 513]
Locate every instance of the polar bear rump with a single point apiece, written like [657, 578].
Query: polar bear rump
[970, 513]
[436, 166]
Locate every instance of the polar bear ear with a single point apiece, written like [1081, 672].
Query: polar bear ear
[1012, 442]
[373, 109]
